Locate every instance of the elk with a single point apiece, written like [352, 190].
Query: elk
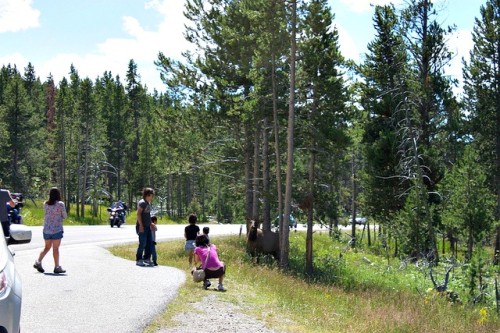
[262, 242]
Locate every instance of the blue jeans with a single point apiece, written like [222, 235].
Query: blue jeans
[144, 245]
[153, 251]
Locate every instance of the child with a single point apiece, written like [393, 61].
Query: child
[154, 221]
[190, 234]
[206, 230]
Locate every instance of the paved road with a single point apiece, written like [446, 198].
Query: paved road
[100, 292]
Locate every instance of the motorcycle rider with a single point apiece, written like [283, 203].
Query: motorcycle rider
[5, 199]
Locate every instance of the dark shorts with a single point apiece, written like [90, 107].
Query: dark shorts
[210, 274]
[189, 245]
[55, 236]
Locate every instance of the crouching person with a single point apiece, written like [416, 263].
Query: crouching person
[206, 256]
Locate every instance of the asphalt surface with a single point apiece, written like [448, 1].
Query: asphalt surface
[99, 292]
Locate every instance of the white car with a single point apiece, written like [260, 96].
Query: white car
[359, 220]
[10, 283]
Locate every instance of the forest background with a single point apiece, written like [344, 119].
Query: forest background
[266, 118]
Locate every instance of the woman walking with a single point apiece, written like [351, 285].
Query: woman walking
[55, 213]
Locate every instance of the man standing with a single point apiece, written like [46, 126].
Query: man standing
[5, 199]
[143, 228]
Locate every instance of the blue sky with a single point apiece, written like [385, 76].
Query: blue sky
[99, 35]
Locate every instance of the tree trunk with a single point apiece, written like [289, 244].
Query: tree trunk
[219, 203]
[248, 174]
[279, 184]
[85, 173]
[266, 218]
[203, 192]
[64, 190]
[78, 181]
[354, 198]
[497, 137]
[310, 216]
[256, 173]
[470, 243]
[179, 196]
[425, 74]
[170, 195]
[423, 195]
[284, 229]
[68, 176]
[369, 233]
[496, 257]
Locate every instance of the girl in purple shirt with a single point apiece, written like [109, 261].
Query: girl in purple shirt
[55, 213]
[213, 267]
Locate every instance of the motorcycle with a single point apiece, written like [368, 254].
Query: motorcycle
[116, 214]
[14, 213]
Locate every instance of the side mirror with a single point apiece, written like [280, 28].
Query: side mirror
[19, 234]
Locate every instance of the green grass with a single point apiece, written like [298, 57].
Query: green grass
[346, 295]
[33, 215]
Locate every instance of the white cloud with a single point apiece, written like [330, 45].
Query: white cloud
[348, 47]
[141, 44]
[360, 6]
[17, 15]
[14, 59]
[460, 43]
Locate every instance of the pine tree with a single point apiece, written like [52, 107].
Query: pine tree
[19, 111]
[426, 96]
[63, 106]
[482, 90]
[322, 97]
[383, 72]
[469, 204]
[284, 229]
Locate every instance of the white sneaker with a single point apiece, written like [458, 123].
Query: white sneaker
[140, 263]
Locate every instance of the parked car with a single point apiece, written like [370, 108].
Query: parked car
[10, 283]
[292, 222]
[359, 220]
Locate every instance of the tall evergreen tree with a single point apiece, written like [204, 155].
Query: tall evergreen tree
[19, 113]
[482, 90]
[469, 204]
[427, 95]
[322, 96]
[284, 229]
[381, 93]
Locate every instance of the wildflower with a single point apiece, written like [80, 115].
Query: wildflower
[483, 316]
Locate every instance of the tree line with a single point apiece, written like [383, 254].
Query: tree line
[266, 119]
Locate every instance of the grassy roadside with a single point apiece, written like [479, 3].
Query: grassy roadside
[33, 215]
[374, 299]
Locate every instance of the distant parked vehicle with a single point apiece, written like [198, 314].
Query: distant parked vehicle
[292, 222]
[359, 220]
[10, 283]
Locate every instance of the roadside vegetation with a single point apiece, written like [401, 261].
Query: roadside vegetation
[358, 291]
[33, 215]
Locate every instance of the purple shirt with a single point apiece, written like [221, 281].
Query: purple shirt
[213, 262]
[54, 215]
